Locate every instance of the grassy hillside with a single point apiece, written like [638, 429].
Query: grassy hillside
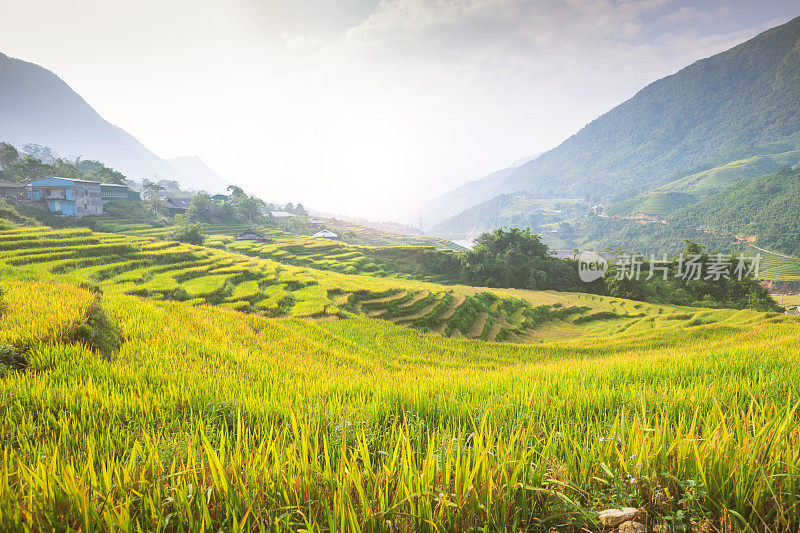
[707, 182]
[694, 187]
[205, 418]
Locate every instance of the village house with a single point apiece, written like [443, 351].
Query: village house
[175, 206]
[252, 235]
[325, 234]
[112, 191]
[13, 191]
[67, 196]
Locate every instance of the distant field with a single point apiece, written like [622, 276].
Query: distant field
[289, 248]
[167, 270]
[664, 200]
[656, 203]
[775, 267]
[704, 183]
[366, 236]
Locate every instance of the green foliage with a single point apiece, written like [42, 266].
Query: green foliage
[96, 171]
[239, 208]
[188, 232]
[30, 167]
[8, 155]
[10, 214]
[517, 258]
[130, 209]
[766, 206]
[604, 233]
[98, 332]
[731, 292]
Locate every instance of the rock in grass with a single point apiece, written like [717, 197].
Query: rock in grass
[614, 517]
[631, 527]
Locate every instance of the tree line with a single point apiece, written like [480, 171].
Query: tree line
[37, 162]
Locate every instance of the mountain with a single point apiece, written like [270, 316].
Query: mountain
[37, 107]
[739, 104]
[467, 195]
[196, 175]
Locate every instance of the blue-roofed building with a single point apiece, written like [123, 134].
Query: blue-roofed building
[68, 196]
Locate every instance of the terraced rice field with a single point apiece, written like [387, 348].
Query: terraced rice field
[287, 248]
[777, 268]
[141, 265]
[131, 414]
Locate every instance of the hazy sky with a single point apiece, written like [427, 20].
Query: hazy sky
[363, 106]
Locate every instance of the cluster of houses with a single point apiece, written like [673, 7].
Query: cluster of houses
[253, 235]
[79, 198]
[322, 233]
[68, 196]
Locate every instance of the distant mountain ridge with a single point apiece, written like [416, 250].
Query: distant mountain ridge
[196, 174]
[36, 106]
[468, 195]
[735, 105]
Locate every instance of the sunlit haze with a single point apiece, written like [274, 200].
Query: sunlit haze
[363, 107]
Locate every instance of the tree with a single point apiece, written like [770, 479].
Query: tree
[65, 169]
[516, 258]
[247, 208]
[43, 153]
[28, 168]
[236, 191]
[150, 192]
[97, 171]
[8, 155]
[300, 210]
[201, 209]
[186, 231]
[170, 185]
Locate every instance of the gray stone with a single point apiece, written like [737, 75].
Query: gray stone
[615, 517]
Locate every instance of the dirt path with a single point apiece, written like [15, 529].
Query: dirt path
[773, 253]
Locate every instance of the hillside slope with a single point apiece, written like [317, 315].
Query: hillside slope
[204, 418]
[196, 174]
[36, 106]
[765, 207]
[738, 104]
[467, 195]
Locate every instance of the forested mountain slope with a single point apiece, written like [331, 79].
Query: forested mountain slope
[765, 207]
[735, 105]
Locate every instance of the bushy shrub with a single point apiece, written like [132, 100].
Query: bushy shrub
[188, 232]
